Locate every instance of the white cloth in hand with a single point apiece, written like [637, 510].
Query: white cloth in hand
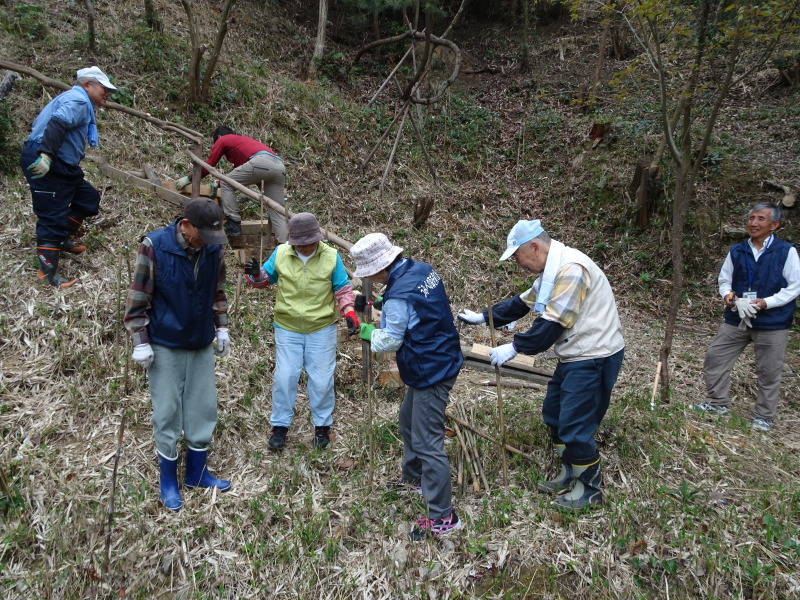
[502, 354]
[223, 343]
[470, 317]
[143, 355]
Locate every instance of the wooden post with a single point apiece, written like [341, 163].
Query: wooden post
[198, 149]
[366, 348]
[499, 397]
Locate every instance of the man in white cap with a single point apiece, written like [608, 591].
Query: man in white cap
[50, 160]
[416, 322]
[578, 317]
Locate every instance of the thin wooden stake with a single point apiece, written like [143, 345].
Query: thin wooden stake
[655, 387]
[370, 440]
[111, 499]
[499, 396]
[478, 432]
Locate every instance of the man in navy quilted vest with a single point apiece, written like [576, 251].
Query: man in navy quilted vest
[759, 283]
[176, 307]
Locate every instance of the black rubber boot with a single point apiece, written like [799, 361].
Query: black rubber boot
[322, 437]
[47, 255]
[233, 228]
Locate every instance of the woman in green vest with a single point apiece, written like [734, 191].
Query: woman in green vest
[313, 292]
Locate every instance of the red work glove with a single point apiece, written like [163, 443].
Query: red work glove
[353, 325]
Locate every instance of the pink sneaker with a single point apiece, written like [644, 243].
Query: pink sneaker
[435, 527]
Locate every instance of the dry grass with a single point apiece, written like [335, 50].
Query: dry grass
[695, 507]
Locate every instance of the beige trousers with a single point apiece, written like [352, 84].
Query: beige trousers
[261, 168]
[769, 346]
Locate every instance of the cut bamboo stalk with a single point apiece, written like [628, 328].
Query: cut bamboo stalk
[478, 461]
[475, 483]
[499, 396]
[486, 436]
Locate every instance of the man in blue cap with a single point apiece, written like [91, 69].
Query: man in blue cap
[50, 161]
[578, 317]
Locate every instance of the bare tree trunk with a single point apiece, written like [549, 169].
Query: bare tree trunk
[199, 81]
[151, 16]
[212, 60]
[90, 20]
[319, 46]
[525, 59]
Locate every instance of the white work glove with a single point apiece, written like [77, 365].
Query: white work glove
[745, 308]
[40, 166]
[746, 312]
[502, 354]
[470, 317]
[143, 355]
[183, 182]
[223, 343]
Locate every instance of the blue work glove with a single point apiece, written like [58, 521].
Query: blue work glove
[366, 331]
[143, 355]
[183, 182]
[502, 354]
[223, 343]
[40, 166]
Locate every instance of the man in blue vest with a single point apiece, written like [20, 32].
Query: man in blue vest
[176, 307]
[50, 160]
[416, 322]
[759, 283]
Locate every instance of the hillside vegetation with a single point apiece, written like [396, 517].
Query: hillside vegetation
[695, 508]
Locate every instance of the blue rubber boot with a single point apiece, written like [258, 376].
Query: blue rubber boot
[198, 476]
[168, 478]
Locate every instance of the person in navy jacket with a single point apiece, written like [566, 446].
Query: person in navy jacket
[759, 283]
[416, 322]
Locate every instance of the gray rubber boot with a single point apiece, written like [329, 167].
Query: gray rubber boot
[564, 478]
[585, 491]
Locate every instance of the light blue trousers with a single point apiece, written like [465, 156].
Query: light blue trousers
[184, 397]
[316, 352]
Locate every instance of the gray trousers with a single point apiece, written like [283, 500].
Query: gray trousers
[422, 428]
[260, 168]
[184, 398]
[769, 346]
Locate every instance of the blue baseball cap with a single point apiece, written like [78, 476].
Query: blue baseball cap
[523, 231]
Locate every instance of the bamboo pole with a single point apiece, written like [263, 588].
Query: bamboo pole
[499, 396]
[473, 471]
[655, 387]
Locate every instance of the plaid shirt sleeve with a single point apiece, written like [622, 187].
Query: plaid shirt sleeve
[140, 294]
[568, 295]
[137, 306]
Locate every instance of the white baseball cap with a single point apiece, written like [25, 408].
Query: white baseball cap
[97, 75]
[523, 231]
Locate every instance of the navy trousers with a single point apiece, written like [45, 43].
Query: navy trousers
[577, 398]
[62, 199]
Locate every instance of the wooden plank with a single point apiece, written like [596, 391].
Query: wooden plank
[205, 189]
[165, 194]
[481, 365]
[520, 361]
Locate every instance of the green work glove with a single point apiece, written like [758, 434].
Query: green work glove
[183, 182]
[366, 331]
[40, 166]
